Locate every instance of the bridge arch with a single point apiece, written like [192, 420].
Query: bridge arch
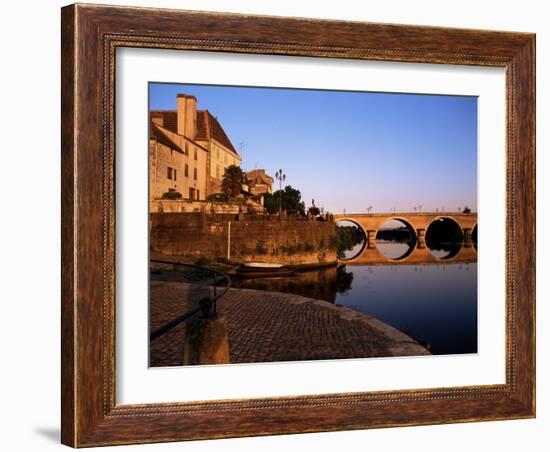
[351, 220]
[403, 220]
[444, 237]
[363, 232]
[412, 240]
[447, 218]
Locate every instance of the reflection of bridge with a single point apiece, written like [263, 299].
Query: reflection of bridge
[418, 224]
[419, 255]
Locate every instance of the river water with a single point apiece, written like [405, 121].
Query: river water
[436, 304]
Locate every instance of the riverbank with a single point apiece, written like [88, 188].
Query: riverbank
[273, 326]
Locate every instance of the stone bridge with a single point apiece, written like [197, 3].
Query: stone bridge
[418, 224]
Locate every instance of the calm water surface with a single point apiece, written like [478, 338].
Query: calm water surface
[436, 304]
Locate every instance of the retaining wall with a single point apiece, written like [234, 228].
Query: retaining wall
[252, 238]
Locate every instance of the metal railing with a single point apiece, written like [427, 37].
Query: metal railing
[207, 305]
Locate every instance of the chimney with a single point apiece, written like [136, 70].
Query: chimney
[158, 120]
[181, 113]
[187, 115]
[191, 117]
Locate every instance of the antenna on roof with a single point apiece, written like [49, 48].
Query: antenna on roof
[242, 145]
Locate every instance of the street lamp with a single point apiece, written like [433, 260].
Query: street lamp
[280, 176]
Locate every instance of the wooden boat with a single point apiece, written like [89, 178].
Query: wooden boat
[262, 265]
[264, 270]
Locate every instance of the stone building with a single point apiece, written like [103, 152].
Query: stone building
[211, 135]
[259, 182]
[176, 164]
[188, 151]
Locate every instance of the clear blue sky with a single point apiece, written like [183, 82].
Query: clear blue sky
[350, 150]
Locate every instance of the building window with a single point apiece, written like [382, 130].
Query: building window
[186, 149]
[195, 155]
[175, 175]
[186, 170]
[195, 173]
[172, 174]
[218, 171]
[172, 189]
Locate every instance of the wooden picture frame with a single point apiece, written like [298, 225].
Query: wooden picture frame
[90, 36]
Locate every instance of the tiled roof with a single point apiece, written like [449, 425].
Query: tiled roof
[162, 137]
[170, 119]
[208, 126]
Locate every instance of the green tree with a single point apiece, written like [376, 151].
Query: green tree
[291, 201]
[314, 211]
[271, 204]
[466, 210]
[233, 180]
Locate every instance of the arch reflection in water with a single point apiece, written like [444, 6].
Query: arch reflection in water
[444, 238]
[395, 239]
[351, 239]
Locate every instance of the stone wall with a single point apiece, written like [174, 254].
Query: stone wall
[254, 238]
[186, 206]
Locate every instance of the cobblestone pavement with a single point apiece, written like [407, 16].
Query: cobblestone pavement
[273, 326]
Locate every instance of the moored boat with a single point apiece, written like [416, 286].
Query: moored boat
[264, 270]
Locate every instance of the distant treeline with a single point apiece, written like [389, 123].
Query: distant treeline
[401, 234]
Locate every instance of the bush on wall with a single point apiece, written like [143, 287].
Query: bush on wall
[172, 195]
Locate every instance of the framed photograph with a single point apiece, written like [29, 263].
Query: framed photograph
[282, 225]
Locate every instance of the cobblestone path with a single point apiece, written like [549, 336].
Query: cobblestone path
[274, 326]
